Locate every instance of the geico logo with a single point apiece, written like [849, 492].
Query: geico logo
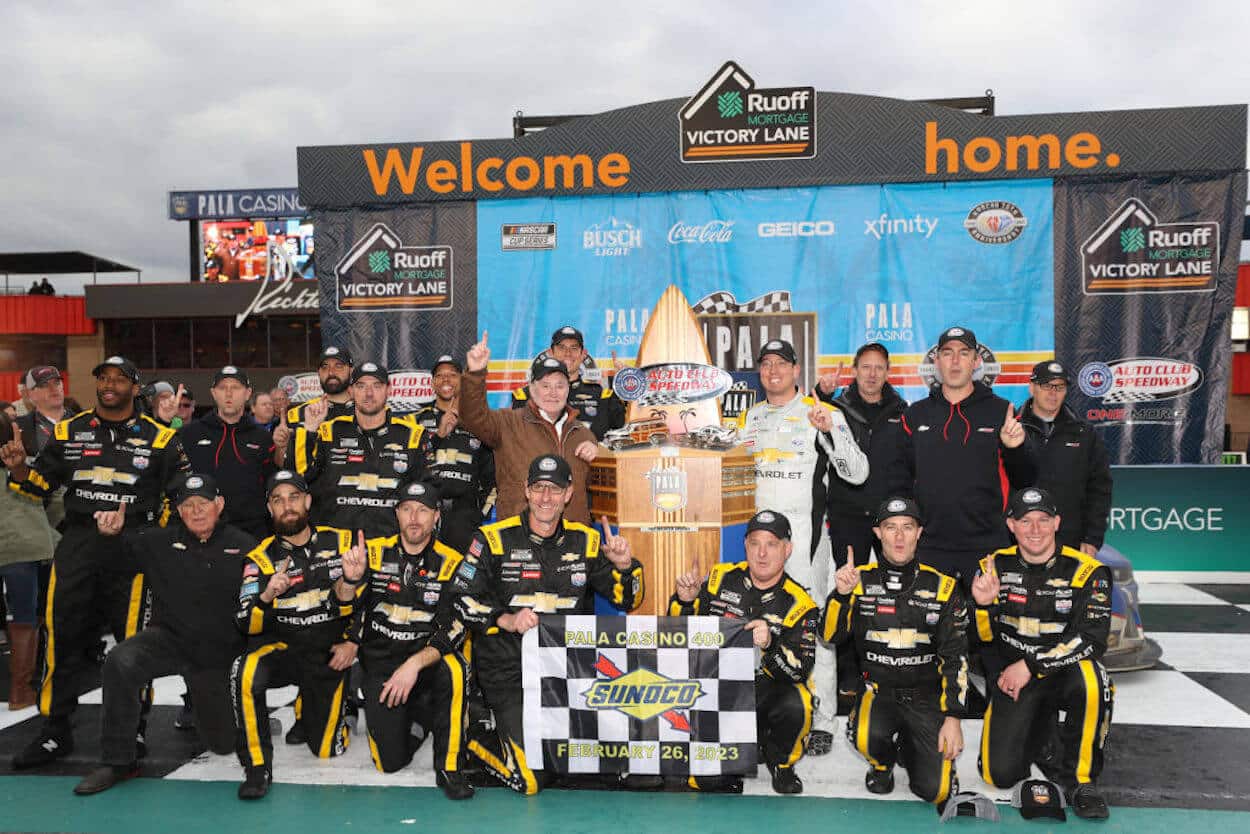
[1157, 519]
[412, 260]
[802, 228]
[521, 173]
[983, 154]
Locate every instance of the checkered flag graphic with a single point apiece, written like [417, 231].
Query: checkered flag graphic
[1127, 397]
[721, 301]
[669, 696]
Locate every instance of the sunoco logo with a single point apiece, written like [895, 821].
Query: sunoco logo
[995, 221]
[612, 238]
[379, 273]
[1131, 252]
[730, 120]
[641, 694]
[987, 372]
[1143, 379]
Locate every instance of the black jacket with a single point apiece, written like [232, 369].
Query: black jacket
[464, 469]
[240, 457]
[1074, 468]
[195, 587]
[881, 439]
[955, 466]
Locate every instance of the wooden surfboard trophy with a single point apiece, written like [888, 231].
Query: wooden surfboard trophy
[671, 496]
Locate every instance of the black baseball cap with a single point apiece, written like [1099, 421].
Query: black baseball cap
[124, 365]
[568, 332]
[1038, 798]
[778, 347]
[551, 468]
[40, 374]
[958, 334]
[422, 493]
[333, 352]
[285, 476]
[898, 505]
[547, 365]
[447, 359]
[1029, 499]
[197, 486]
[775, 523]
[372, 369]
[1044, 372]
[231, 372]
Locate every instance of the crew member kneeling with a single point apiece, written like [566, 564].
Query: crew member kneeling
[783, 621]
[1047, 611]
[410, 639]
[299, 586]
[909, 623]
[534, 563]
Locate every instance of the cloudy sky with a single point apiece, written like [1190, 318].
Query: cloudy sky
[106, 106]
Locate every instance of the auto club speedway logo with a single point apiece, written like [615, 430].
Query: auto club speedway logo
[1128, 388]
[1132, 252]
[671, 383]
[379, 274]
[988, 371]
[729, 120]
[642, 694]
[409, 390]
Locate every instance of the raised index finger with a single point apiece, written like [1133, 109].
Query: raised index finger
[607, 528]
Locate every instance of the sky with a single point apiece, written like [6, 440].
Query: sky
[105, 107]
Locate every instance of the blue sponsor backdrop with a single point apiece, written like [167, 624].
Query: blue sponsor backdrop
[893, 263]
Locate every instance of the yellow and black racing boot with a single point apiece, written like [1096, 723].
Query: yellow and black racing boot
[1087, 803]
[256, 782]
[879, 781]
[785, 780]
[454, 784]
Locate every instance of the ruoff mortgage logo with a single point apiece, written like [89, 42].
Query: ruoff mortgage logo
[1132, 252]
[731, 121]
[379, 273]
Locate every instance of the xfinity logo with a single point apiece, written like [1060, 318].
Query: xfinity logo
[886, 226]
[797, 228]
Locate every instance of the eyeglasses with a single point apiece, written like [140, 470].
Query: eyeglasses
[1057, 387]
[545, 488]
[775, 363]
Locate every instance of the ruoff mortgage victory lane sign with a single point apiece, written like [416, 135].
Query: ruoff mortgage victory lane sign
[838, 219]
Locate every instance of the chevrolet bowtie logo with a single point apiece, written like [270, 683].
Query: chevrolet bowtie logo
[404, 614]
[772, 456]
[543, 603]
[304, 600]
[104, 476]
[1032, 626]
[898, 638]
[368, 482]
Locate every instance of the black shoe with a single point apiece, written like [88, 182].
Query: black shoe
[819, 742]
[1087, 803]
[879, 781]
[785, 780]
[454, 784]
[105, 777]
[52, 744]
[296, 734]
[478, 777]
[256, 782]
[718, 784]
[185, 719]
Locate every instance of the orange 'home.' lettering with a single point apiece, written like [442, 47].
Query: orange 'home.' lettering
[985, 154]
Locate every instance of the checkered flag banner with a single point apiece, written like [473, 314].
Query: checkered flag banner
[1124, 396]
[721, 301]
[673, 696]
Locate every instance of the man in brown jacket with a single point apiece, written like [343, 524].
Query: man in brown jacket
[545, 426]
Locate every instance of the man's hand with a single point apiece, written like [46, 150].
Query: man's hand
[619, 364]
[760, 635]
[450, 419]
[1014, 678]
[111, 522]
[478, 356]
[356, 559]
[166, 406]
[399, 685]
[281, 433]
[518, 623]
[315, 413]
[1012, 432]
[278, 583]
[13, 453]
[343, 655]
[587, 450]
[689, 583]
[821, 418]
[847, 577]
[950, 739]
[985, 586]
[828, 383]
[1089, 549]
[616, 548]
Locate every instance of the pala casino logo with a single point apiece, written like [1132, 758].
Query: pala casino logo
[379, 274]
[729, 120]
[734, 331]
[1132, 252]
[642, 694]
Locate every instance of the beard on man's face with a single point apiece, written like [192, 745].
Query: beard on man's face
[289, 524]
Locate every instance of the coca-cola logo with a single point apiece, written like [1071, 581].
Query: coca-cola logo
[713, 231]
[672, 383]
[1139, 379]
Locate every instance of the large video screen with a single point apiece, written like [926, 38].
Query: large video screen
[239, 250]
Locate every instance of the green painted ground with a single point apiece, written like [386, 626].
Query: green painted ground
[45, 803]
